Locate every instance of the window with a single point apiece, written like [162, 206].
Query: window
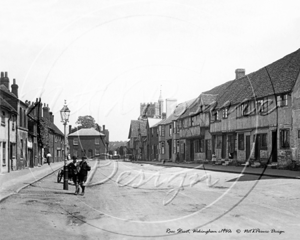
[225, 112]
[199, 145]
[241, 141]
[284, 138]
[22, 148]
[174, 127]
[215, 116]
[75, 141]
[162, 147]
[97, 141]
[13, 124]
[259, 104]
[178, 146]
[4, 153]
[97, 151]
[282, 100]
[3, 118]
[170, 130]
[20, 117]
[264, 143]
[162, 131]
[265, 104]
[24, 117]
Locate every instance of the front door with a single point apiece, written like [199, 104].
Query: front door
[170, 148]
[208, 149]
[247, 147]
[274, 146]
[192, 150]
[224, 147]
[257, 147]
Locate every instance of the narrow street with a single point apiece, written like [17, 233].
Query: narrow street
[133, 201]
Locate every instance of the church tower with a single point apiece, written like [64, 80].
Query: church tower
[160, 105]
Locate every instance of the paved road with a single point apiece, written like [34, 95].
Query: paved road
[135, 201]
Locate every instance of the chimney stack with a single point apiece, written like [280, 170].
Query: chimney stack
[46, 111]
[14, 88]
[103, 129]
[70, 129]
[4, 80]
[51, 117]
[239, 73]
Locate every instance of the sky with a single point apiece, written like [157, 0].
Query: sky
[105, 57]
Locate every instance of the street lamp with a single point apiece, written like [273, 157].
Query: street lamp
[65, 113]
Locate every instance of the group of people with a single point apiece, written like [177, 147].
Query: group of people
[79, 172]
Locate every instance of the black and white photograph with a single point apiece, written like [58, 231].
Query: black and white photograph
[149, 119]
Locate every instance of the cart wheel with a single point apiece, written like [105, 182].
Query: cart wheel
[59, 176]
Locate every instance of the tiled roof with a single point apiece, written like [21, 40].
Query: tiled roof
[135, 125]
[87, 132]
[4, 88]
[56, 129]
[180, 110]
[6, 105]
[278, 77]
[218, 89]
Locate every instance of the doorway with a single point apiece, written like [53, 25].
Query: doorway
[274, 146]
[247, 148]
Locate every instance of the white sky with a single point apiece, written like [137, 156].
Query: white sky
[105, 57]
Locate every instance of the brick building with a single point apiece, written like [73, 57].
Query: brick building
[87, 142]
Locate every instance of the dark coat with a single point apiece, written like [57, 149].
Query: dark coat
[84, 168]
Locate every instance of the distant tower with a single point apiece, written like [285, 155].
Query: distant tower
[160, 104]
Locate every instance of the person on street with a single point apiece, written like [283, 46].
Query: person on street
[73, 171]
[48, 156]
[83, 172]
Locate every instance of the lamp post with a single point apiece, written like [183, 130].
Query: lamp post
[65, 113]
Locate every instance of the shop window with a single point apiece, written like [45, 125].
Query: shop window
[241, 141]
[197, 146]
[264, 143]
[284, 138]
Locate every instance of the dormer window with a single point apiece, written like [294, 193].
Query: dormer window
[282, 100]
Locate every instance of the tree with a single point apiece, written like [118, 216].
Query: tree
[86, 121]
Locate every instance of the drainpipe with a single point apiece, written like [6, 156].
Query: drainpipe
[8, 144]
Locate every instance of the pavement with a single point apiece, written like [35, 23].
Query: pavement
[269, 172]
[13, 182]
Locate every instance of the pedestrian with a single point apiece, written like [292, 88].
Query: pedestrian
[73, 171]
[82, 173]
[48, 156]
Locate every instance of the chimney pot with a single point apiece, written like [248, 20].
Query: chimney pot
[239, 73]
[5, 74]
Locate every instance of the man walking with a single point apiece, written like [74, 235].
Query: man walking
[48, 156]
[82, 175]
[74, 173]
